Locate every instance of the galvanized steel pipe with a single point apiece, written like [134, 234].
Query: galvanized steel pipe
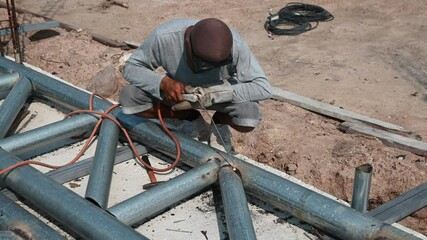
[9, 235]
[401, 206]
[16, 219]
[239, 221]
[148, 203]
[13, 103]
[75, 212]
[48, 137]
[361, 187]
[7, 81]
[98, 188]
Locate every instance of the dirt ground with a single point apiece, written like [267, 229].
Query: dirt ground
[371, 59]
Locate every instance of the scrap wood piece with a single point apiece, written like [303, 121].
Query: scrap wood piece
[327, 109]
[389, 139]
[132, 44]
[108, 3]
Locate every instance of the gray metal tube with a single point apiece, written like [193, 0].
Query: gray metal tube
[13, 103]
[16, 219]
[402, 206]
[98, 188]
[7, 81]
[331, 217]
[75, 212]
[361, 187]
[148, 203]
[48, 137]
[9, 235]
[31, 27]
[239, 221]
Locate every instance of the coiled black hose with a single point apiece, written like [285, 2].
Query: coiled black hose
[295, 18]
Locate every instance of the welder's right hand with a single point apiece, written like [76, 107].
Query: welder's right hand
[172, 89]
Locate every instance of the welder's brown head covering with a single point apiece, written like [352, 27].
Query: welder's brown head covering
[210, 40]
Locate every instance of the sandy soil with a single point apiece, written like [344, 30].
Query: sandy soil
[370, 59]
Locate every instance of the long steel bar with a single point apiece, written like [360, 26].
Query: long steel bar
[7, 81]
[239, 221]
[361, 187]
[148, 203]
[32, 27]
[402, 206]
[13, 103]
[48, 137]
[98, 188]
[332, 217]
[75, 212]
[15, 218]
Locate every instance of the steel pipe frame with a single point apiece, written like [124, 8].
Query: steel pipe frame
[239, 221]
[361, 187]
[13, 103]
[148, 203]
[75, 212]
[48, 137]
[16, 219]
[98, 188]
[332, 217]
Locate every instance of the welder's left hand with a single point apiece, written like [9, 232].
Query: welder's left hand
[204, 97]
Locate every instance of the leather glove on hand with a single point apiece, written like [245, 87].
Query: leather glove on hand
[203, 97]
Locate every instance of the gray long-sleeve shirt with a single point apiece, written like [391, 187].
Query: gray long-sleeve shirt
[164, 47]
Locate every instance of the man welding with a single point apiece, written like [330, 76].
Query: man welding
[208, 67]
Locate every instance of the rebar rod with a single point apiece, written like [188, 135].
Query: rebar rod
[16, 219]
[158, 198]
[237, 215]
[14, 26]
[75, 212]
[98, 188]
[13, 103]
[48, 137]
[361, 187]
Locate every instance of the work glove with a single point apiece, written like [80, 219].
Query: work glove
[204, 97]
